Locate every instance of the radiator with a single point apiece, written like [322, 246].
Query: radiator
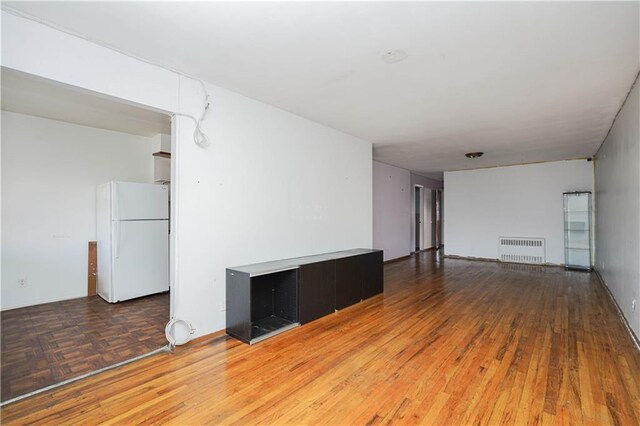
[522, 250]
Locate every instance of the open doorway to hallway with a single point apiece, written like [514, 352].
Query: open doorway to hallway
[427, 218]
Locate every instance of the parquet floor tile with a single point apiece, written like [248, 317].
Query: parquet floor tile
[49, 343]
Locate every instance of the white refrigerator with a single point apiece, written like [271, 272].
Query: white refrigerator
[133, 240]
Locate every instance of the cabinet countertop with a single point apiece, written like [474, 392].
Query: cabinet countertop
[295, 262]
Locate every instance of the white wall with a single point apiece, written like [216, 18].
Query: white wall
[519, 201]
[271, 185]
[617, 198]
[391, 210]
[394, 209]
[50, 171]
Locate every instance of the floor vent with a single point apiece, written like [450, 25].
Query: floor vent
[522, 250]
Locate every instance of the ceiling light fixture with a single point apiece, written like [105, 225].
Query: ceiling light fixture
[393, 56]
[474, 154]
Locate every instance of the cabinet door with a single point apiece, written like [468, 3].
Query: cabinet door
[373, 282]
[317, 290]
[349, 277]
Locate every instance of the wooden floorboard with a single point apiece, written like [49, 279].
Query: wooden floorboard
[53, 342]
[451, 342]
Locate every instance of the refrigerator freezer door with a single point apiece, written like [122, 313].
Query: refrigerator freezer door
[139, 201]
[140, 253]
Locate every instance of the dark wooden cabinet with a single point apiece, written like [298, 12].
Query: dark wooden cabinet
[358, 277]
[261, 306]
[373, 281]
[349, 276]
[268, 298]
[239, 305]
[317, 290]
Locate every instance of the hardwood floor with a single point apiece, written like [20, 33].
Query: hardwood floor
[450, 342]
[53, 342]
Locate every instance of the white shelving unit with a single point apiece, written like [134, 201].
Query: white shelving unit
[577, 230]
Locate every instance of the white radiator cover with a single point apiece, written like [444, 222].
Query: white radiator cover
[522, 250]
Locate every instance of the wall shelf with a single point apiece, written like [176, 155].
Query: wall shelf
[162, 154]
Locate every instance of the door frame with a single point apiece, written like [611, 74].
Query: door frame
[437, 218]
[418, 225]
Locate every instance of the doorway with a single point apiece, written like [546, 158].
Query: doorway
[60, 144]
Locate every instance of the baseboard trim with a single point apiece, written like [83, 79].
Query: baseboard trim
[207, 338]
[488, 259]
[424, 250]
[397, 259]
[479, 259]
[634, 338]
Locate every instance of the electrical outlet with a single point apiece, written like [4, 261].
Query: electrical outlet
[633, 305]
[22, 282]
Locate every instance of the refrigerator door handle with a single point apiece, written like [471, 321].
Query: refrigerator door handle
[116, 239]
